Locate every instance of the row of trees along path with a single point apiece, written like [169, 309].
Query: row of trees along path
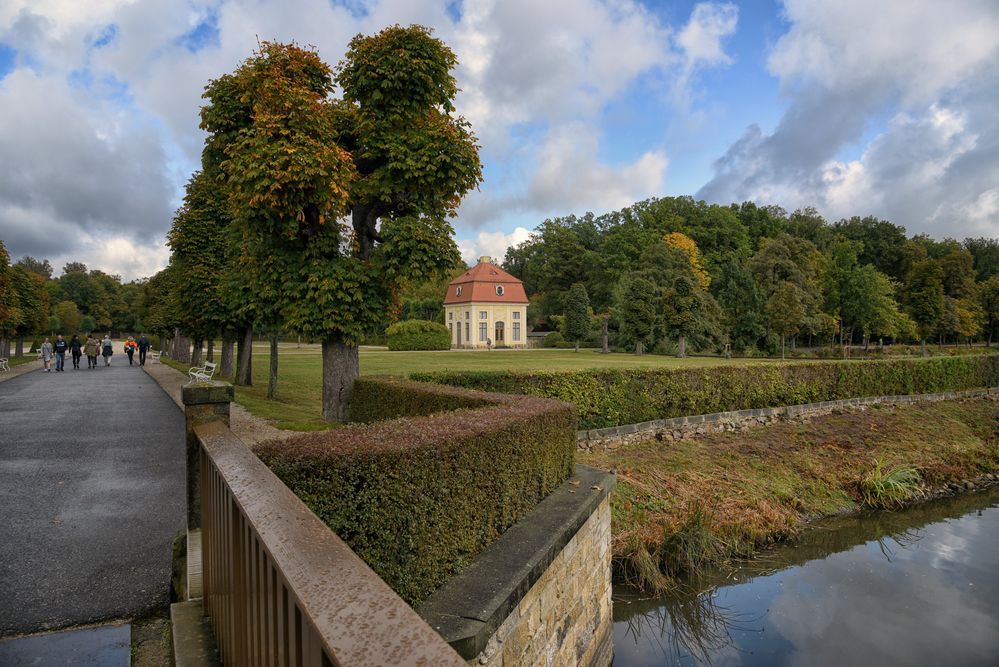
[311, 212]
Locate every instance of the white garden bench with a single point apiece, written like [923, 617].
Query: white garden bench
[3, 365]
[203, 373]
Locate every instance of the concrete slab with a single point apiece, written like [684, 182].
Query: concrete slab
[193, 639]
[106, 646]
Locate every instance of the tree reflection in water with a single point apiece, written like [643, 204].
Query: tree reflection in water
[685, 622]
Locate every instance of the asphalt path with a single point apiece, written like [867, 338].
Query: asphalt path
[92, 488]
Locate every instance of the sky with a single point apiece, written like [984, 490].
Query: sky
[854, 107]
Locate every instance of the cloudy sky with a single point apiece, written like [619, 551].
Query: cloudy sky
[854, 107]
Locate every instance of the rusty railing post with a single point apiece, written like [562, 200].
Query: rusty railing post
[203, 402]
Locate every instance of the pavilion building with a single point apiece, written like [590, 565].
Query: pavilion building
[486, 306]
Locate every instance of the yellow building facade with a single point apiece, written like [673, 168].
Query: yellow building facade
[486, 307]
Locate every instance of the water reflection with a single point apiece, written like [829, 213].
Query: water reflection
[915, 587]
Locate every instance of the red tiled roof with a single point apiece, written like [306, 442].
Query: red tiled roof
[479, 283]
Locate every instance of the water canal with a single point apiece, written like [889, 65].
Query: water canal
[918, 587]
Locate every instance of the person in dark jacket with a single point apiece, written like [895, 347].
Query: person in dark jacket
[76, 347]
[60, 348]
[143, 344]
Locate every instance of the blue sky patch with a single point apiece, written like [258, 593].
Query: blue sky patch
[8, 60]
[105, 36]
[203, 35]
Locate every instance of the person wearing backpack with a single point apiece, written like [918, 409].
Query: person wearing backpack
[143, 346]
[76, 347]
[107, 349]
[130, 348]
[91, 348]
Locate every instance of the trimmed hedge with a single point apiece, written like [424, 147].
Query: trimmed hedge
[418, 335]
[418, 497]
[614, 397]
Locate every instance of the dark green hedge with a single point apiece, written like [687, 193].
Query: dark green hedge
[418, 335]
[614, 397]
[379, 399]
[418, 497]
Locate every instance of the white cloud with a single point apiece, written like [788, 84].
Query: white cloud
[106, 94]
[932, 68]
[492, 244]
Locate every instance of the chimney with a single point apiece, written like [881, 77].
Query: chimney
[485, 259]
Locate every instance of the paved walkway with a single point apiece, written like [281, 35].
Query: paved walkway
[92, 488]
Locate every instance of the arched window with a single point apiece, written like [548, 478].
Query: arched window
[499, 334]
[499, 290]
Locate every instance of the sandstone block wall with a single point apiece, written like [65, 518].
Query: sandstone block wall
[565, 618]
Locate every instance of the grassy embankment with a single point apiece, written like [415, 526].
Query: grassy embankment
[680, 506]
[17, 361]
[299, 393]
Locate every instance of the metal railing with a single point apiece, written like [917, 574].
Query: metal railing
[281, 588]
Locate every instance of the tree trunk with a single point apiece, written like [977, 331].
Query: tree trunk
[272, 378]
[577, 346]
[175, 345]
[638, 348]
[340, 369]
[5, 347]
[925, 351]
[225, 369]
[681, 348]
[782, 346]
[184, 349]
[19, 347]
[244, 358]
[605, 349]
[196, 354]
[211, 349]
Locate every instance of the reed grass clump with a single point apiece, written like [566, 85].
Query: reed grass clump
[888, 488]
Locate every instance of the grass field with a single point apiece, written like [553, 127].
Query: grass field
[299, 392]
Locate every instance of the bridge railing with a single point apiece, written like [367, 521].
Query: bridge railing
[280, 587]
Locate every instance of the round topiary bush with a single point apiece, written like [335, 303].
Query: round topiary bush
[418, 335]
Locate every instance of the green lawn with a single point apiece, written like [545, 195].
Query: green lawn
[300, 388]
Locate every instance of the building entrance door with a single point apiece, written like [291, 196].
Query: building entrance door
[499, 333]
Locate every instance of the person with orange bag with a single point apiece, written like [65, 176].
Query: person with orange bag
[130, 347]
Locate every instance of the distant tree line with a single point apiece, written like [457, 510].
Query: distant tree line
[80, 301]
[672, 271]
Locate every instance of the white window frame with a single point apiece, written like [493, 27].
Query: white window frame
[499, 290]
[516, 332]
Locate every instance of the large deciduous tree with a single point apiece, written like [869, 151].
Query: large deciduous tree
[390, 156]
[10, 311]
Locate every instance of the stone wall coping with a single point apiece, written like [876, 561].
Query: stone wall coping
[739, 415]
[202, 393]
[470, 607]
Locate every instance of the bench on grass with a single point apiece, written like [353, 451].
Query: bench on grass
[203, 373]
[4, 366]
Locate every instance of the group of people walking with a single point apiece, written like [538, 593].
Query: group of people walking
[92, 347]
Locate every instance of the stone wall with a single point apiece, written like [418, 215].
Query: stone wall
[540, 594]
[666, 430]
[565, 619]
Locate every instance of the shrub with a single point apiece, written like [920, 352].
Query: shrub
[554, 339]
[418, 335]
[418, 497]
[613, 397]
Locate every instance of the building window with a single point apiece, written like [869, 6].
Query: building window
[467, 336]
[483, 315]
[516, 332]
[499, 334]
[450, 316]
[467, 315]
[457, 290]
[483, 331]
[450, 328]
[516, 314]
[499, 290]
